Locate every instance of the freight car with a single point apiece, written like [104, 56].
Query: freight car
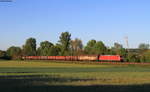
[117, 58]
[88, 58]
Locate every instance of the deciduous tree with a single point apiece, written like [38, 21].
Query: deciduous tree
[64, 42]
[45, 48]
[76, 46]
[14, 52]
[3, 54]
[29, 49]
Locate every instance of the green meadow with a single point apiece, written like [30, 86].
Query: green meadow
[59, 76]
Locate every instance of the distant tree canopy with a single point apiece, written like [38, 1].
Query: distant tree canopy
[76, 46]
[100, 48]
[95, 47]
[117, 46]
[55, 50]
[29, 49]
[145, 56]
[144, 46]
[2, 54]
[119, 50]
[65, 39]
[133, 57]
[45, 48]
[89, 48]
[14, 52]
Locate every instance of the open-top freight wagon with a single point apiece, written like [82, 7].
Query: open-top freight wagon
[117, 58]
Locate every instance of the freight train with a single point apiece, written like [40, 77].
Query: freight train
[116, 58]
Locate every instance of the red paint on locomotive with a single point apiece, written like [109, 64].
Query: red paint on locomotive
[110, 58]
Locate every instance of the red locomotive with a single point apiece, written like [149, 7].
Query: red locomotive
[117, 58]
[110, 58]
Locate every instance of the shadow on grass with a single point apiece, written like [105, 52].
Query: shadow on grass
[24, 84]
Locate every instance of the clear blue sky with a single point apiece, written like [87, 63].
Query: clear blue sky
[106, 20]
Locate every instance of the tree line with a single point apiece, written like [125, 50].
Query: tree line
[71, 47]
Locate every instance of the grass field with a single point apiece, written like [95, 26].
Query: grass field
[46, 76]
